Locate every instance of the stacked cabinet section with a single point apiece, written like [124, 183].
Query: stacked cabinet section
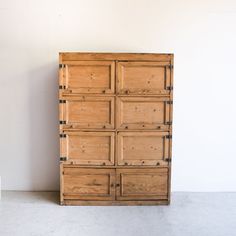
[115, 128]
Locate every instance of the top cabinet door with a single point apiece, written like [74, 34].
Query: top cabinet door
[88, 77]
[143, 78]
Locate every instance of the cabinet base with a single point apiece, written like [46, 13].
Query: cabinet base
[114, 203]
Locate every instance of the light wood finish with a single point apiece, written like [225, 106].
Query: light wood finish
[88, 184]
[115, 203]
[88, 112]
[143, 78]
[87, 56]
[115, 116]
[88, 77]
[143, 113]
[88, 148]
[142, 184]
[143, 148]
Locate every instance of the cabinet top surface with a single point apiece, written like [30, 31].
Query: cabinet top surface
[72, 56]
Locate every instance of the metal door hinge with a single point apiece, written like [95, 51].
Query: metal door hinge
[62, 135]
[169, 88]
[61, 65]
[62, 101]
[171, 66]
[62, 87]
[63, 158]
[62, 122]
[168, 159]
[169, 136]
[169, 102]
[169, 122]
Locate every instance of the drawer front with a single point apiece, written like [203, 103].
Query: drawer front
[88, 77]
[143, 113]
[142, 184]
[88, 148]
[143, 148]
[88, 183]
[143, 77]
[88, 112]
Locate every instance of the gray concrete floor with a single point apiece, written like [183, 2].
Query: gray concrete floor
[38, 213]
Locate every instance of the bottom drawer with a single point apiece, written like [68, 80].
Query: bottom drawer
[114, 185]
[87, 183]
[142, 184]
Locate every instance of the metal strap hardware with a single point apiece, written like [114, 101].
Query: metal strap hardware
[169, 88]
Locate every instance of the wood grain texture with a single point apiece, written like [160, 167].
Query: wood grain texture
[115, 203]
[89, 184]
[143, 78]
[88, 148]
[115, 116]
[143, 148]
[142, 184]
[89, 77]
[80, 56]
[88, 112]
[143, 113]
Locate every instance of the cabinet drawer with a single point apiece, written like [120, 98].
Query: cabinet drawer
[88, 184]
[87, 112]
[142, 184]
[143, 112]
[143, 148]
[88, 76]
[143, 78]
[88, 148]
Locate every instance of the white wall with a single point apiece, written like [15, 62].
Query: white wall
[202, 34]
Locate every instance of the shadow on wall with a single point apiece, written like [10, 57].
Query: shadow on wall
[44, 138]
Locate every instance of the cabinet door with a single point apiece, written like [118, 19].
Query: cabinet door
[143, 112]
[142, 184]
[88, 76]
[88, 148]
[88, 183]
[143, 77]
[143, 148]
[87, 112]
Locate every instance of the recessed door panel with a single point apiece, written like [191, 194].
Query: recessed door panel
[88, 112]
[143, 148]
[88, 148]
[143, 78]
[142, 184]
[143, 113]
[88, 77]
[88, 183]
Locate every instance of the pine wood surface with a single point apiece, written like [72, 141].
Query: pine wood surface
[115, 112]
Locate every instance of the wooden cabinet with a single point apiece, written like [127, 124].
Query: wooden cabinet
[115, 112]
